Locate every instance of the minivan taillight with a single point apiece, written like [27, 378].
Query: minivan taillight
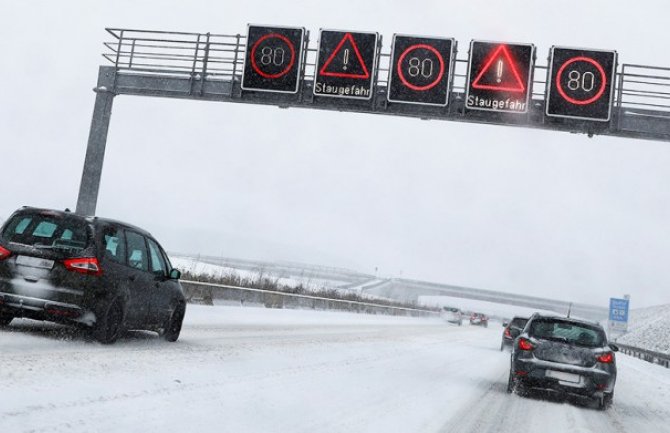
[4, 253]
[525, 344]
[83, 265]
[606, 358]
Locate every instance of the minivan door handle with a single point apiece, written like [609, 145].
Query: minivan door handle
[132, 278]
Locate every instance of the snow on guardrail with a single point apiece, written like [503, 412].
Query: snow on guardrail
[646, 355]
[203, 292]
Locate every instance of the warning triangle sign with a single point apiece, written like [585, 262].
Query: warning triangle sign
[345, 61]
[500, 72]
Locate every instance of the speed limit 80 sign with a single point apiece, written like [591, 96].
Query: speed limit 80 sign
[421, 70]
[274, 58]
[581, 83]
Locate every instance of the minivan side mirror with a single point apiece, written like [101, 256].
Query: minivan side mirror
[614, 347]
[505, 324]
[175, 274]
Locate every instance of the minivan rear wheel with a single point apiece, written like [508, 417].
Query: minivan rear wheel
[109, 322]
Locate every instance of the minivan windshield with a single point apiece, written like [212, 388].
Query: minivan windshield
[47, 231]
[579, 334]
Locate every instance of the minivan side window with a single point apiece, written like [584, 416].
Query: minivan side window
[137, 251]
[115, 245]
[158, 265]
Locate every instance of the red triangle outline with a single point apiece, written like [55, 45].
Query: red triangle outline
[476, 84]
[325, 73]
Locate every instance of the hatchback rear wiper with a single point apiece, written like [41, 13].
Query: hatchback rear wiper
[556, 339]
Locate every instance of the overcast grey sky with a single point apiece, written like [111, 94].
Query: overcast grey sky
[547, 214]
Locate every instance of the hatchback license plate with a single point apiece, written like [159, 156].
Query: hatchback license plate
[563, 376]
[34, 262]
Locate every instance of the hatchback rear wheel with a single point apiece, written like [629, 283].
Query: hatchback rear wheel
[510, 383]
[5, 319]
[605, 402]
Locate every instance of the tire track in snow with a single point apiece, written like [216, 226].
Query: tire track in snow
[496, 411]
[200, 391]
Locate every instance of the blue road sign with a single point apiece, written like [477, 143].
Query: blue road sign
[619, 312]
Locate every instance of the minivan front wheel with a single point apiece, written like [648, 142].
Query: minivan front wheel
[172, 327]
[109, 322]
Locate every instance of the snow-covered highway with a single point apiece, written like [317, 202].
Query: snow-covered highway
[259, 370]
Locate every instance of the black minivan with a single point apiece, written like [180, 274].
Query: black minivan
[103, 274]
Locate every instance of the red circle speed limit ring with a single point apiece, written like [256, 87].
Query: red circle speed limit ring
[273, 60]
[273, 55]
[422, 68]
[580, 84]
[578, 80]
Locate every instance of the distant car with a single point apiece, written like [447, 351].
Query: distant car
[564, 355]
[452, 315]
[512, 330]
[102, 274]
[479, 319]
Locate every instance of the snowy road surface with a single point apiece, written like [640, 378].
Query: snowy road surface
[256, 370]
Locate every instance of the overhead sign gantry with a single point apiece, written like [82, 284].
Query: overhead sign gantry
[581, 90]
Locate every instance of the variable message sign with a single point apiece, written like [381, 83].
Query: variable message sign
[580, 84]
[499, 76]
[421, 70]
[274, 58]
[345, 65]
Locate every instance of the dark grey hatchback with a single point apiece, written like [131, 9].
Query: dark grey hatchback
[102, 274]
[564, 355]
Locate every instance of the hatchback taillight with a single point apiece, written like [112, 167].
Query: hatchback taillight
[606, 358]
[525, 344]
[4, 253]
[508, 334]
[83, 265]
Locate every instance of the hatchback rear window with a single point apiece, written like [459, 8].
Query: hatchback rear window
[568, 332]
[48, 231]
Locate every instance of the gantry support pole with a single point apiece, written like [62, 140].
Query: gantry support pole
[97, 141]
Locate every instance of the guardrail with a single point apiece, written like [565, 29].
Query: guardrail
[646, 355]
[201, 292]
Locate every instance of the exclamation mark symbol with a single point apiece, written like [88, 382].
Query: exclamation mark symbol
[499, 71]
[345, 60]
